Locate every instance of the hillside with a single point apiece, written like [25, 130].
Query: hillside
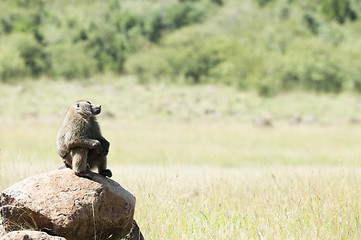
[267, 45]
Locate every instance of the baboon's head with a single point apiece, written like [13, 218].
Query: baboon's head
[86, 109]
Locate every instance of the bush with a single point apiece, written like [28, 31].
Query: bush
[316, 69]
[71, 61]
[11, 64]
[192, 63]
[265, 45]
[28, 55]
[33, 53]
[149, 66]
[339, 10]
[181, 14]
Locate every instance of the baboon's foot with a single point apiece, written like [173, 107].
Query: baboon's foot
[64, 166]
[106, 173]
[87, 174]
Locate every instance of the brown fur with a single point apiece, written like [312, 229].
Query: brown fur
[79, 140]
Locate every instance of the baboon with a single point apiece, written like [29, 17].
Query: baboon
[80, 143]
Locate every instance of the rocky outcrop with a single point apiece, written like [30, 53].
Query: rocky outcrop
[135, 233]
[29, 235]
[2, 231]
[63, 204]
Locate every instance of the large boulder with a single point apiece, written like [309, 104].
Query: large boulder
[29, 235]
[134, 234]
[2, 231]
[63, 204]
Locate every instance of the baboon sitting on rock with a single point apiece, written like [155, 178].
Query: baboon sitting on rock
[80, 143]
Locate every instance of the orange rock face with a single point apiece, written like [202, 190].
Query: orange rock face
[64, 204]
[30, 235]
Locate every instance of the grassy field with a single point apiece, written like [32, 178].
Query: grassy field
[201, 161]
[198, 202]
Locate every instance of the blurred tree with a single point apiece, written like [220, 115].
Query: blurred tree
[338, 10]
[34, 55]
[262, 3]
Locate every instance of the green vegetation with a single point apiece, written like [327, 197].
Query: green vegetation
[266, 45]
[77, 39]
[204, 159]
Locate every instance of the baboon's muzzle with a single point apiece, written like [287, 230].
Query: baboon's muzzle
[96, 109]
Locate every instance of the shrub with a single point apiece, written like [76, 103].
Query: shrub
[316, 69]
[11, 64]
[33, 53]
[181, 14]
[71, 61]
[28, 55]
[149, 66]
[338, 10]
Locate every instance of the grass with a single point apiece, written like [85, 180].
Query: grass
[197, 143]
[210, 203]
[199, 161]
[123, 99]
[202, 202]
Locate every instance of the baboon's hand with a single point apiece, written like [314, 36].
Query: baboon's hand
[105, 148]
[97, 146]
[104, 152]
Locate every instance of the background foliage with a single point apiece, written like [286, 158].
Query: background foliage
[267, 45]
[205, 159]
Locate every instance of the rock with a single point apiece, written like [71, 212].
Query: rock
[108, 114]
[30, 235]
[64, 204]
[32, 114]
[134, 234]
[354, 121]
[296, 120]
[264, 120]
[20, 89]
[2, 231]
[309, 120]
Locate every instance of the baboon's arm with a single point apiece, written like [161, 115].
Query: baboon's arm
[85, 143]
